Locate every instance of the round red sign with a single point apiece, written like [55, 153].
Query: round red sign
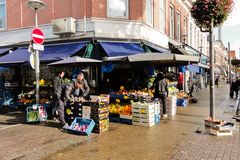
[37, 36]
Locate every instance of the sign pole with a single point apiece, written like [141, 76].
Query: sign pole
[37, 63]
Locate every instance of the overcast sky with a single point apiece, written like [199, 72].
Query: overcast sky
[231, 29]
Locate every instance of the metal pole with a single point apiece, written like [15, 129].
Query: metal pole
[212, 85]
[36, 62]
[229, 67]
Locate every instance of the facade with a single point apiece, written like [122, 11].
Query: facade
[154, 21]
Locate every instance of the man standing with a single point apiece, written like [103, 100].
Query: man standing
[58, 98]
[83, 85]
[160, 85]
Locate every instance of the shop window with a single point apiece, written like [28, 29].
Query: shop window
[171, 21]
[118, 8]
[149, 12]
[162, 19]
[178, 29]
[2, 14]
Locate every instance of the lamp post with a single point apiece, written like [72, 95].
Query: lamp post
[229, 66]
[36, 5]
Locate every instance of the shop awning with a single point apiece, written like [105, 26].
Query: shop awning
[75, 59]
[121, 48]
[185, 52]
[162, 58]
[193, 68]
[159, 49]
[4, 50]
[50, 53]
[203, 66]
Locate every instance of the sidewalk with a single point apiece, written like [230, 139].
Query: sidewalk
[174, 138]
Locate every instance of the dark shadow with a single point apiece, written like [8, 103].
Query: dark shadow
[191, 115]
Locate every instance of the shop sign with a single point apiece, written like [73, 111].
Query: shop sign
[38, 47]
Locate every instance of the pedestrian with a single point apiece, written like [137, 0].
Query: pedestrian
[74, 92]
[84, 85]
[58, 110]
[236, 86]
[160, 86]
[217, 81]
[190, 87]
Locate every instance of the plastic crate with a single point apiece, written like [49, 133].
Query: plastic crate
[36, 113]
[82, 122]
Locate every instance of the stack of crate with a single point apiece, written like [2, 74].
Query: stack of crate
[69, 112]
[171, 105]
[100, 113]
[157, 111]
[143, 114]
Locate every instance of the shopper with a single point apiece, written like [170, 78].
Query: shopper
[217, 81]
[73, 91]
[236, 86]
[190, 87]
[160, 85]
[84, 85]
[59, 98]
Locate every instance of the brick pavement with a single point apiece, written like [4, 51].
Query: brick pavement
[174, 138]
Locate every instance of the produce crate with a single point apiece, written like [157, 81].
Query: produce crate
[99, 110]
[145, 124]
[182, 102]
[82, 126]
[36, 113]
[221, 133]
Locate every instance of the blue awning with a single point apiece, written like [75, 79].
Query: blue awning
[121, 48]
[4, 50]
[159, 49]
[193, 68]
[50, 53]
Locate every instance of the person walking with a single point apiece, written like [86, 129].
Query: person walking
[217, 81]
[190, 87]
[58, 110]
[236, 86]
[160, 85]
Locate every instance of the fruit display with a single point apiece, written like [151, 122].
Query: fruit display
[172, 91]
[181, 95]
[209, 122]
[25, 100]
[33, 116]
[117, 108]
[78, 127]
[44, 101]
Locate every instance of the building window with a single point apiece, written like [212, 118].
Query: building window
[117, 8]
[190, 34]
[162, 15]
[2, 14]
[149, 12]
[178, 29]
[172, 21]
[185, 29]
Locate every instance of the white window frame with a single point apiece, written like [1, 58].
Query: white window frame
[149, 21]
[190, 34]
[178, 27]
[162, 16]
[3, 2]
[114, 16]
[172, 25]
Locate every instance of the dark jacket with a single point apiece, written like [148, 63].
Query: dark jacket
[58, 87]
[70, 90]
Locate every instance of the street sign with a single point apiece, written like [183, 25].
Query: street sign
[38, 47]
[37, 36]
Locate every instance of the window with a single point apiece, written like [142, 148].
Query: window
[172, 21]
[149, 12]
[117, 8]
[162, 16]
[2, 14]
[178, 34]
[185, 28]
[190, 34]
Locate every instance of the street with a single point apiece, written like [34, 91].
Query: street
[174, 138]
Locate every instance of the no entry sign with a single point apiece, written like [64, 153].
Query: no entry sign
[37, 36]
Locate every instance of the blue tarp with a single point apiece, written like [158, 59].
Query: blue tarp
[50, 53]
[193, 68]
[121, 49]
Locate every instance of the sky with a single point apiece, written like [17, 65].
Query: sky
[231, 29]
